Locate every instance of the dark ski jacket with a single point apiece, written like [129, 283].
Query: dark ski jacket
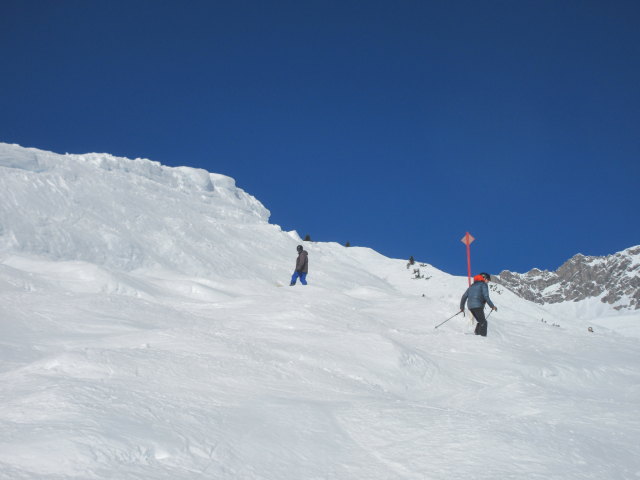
[477, 295]
[302, 262]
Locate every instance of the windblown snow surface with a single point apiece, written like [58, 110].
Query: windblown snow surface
[147, 331]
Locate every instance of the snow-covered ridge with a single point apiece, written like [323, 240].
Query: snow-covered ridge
[118, 212]
[613, 280]
[187, 179]
[119, 218]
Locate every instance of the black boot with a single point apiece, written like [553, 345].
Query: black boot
[481, 328]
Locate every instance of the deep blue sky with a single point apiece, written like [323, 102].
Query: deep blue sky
[397, 125]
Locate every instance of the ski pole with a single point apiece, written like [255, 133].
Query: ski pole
[450, 318]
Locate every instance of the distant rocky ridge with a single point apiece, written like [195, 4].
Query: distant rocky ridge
[615, 279]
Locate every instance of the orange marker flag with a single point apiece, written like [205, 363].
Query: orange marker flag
[467, 239]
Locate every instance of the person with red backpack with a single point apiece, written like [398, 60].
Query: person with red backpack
[476, 296]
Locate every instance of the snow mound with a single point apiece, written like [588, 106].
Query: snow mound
[125, 214]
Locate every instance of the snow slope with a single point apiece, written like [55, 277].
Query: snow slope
[145, 334]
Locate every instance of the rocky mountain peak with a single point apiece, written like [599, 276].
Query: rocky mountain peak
[615, 279]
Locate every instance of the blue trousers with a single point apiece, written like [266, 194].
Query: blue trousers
[302, 275]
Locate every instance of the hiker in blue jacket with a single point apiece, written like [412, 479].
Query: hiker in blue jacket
[476, 296]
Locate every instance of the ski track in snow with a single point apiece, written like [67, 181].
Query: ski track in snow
[188, 359]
